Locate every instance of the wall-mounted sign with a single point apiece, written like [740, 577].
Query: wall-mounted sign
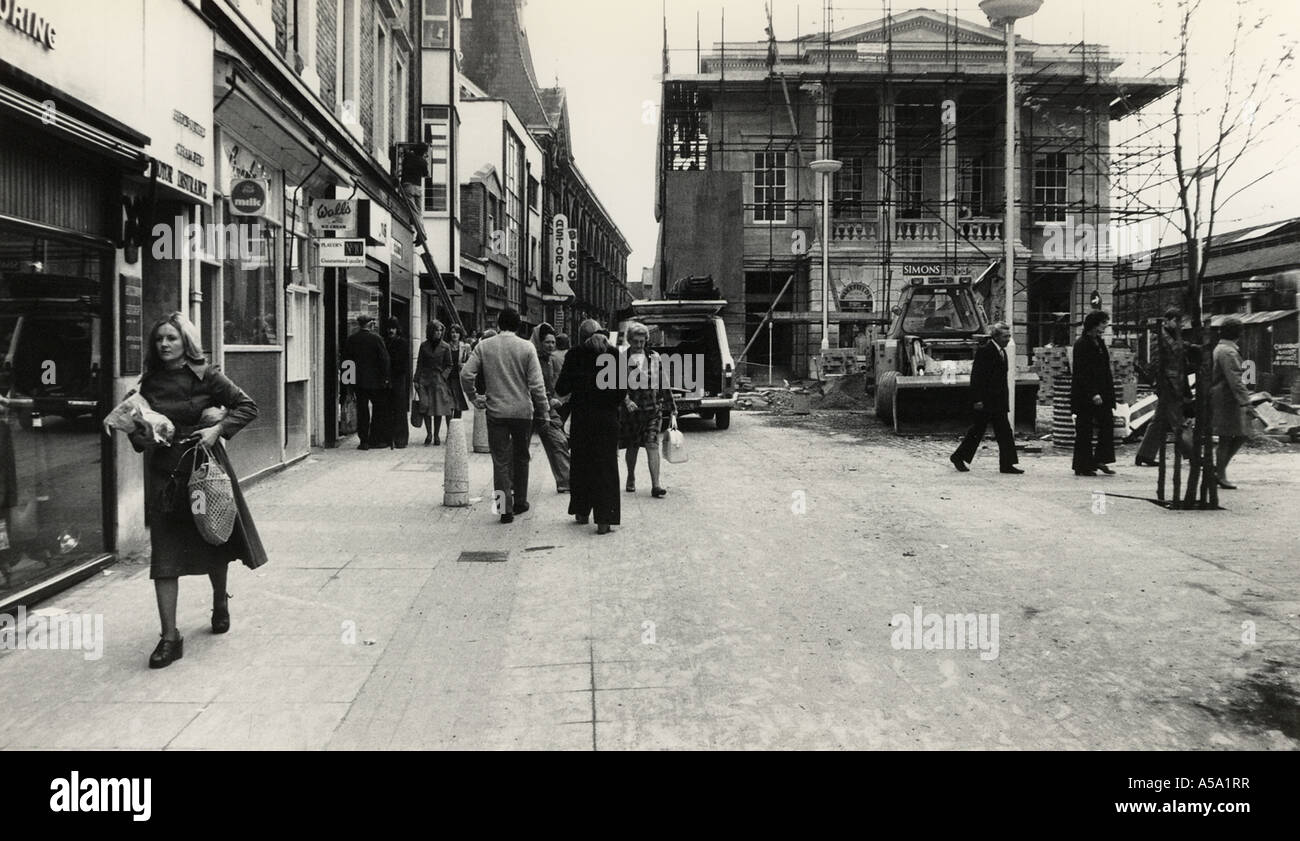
[1286, 354]
[921, 269]
[340, 253]
[19, 17]
[856, 297]
[338, 215]
[563, 262]
[248, 197]
[131, 328]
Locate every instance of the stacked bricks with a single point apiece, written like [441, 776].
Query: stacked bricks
[1050, 363]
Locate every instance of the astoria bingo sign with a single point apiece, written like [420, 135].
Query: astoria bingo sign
[564, 258]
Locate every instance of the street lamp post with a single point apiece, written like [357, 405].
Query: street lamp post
[1006, 13]
[827, 168]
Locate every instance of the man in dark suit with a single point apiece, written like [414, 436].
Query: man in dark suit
[366, 368]
[1092, 399]
[992, 403]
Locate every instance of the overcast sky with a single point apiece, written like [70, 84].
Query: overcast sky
[607, 53]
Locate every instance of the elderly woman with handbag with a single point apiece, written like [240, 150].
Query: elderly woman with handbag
[191, 394]
[641, 416]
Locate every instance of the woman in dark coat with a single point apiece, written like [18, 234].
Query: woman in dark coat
[399, 377]
[1092, 399]
[432, 374]
[190, 394]
[593, 429]
[459, 354]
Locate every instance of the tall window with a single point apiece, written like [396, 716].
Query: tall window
[910, 187]
[380, 134]
[514, 198]
[345, 59]
[848, 190]
[437, 131]
[769, 187]
[1050, 175]
[970, 187]
[399, 108]
[435, 25]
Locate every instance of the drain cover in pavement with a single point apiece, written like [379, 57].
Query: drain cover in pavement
[492, 557]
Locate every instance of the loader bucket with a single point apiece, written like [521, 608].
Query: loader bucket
[923, 405]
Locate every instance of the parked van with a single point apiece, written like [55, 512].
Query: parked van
[694, 330]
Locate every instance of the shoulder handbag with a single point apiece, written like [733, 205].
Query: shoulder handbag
[673, 444]
[212, 498]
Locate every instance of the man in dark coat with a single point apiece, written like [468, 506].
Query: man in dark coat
[366, 368]
[992, 404]
[1092, 399]
[399, 392]
[1171, 391]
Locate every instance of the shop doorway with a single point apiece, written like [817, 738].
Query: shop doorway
[1049, 310]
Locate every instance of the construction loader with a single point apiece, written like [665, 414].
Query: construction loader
[923, 362]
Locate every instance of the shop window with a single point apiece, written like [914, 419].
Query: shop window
[250, 289]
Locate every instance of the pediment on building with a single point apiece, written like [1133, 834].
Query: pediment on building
[919, 27]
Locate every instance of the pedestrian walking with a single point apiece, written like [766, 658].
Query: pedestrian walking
[366, 363]
[179, 384]
[550, 430]
[594, 427]
[1092, 399]
[1229, 399]
[1172, 396]
[991, 403]
[648, 399]
[514, 395]
[432, 374]
[561, 348]
[399, 380]
[459, 353]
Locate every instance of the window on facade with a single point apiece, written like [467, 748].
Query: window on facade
[249, 283]
[514, 199]
[346, 59]
[769, 187]
[686, 129]
[437, 127]
[970, 187]
[381, 89]
[848, 196]
[435, 25]
[1050, 177]
[533, 193]
[910, 187]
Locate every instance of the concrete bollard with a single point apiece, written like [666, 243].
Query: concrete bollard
[480, 431]
[455, 468]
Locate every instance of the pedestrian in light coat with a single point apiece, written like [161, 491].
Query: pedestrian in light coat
[551, 430]
[1230, 401]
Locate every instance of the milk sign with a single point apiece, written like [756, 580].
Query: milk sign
[334, 215]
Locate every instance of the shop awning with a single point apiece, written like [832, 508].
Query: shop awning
[1254, 317]
[129, 150]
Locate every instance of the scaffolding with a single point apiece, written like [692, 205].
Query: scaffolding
[913, 106]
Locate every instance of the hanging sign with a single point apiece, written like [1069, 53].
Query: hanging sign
[564, 261]
[340, 253]
[334, 215]
[248, 196]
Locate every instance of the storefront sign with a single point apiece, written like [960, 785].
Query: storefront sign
[248, 197]
[921, 269]
[132, 329]
[338, 215]
[1286, 354]
[856, 297]
[564, 256]
[340, 253]
[19, 17]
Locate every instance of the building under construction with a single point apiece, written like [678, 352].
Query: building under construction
[913, 105]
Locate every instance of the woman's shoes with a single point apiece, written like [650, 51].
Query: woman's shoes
[221, 618]
[167, 652]
[1226, 485]
[602, 528]
[1146, 462]
[428, 439]
[658, 492]
[437, 442]
[631, 486]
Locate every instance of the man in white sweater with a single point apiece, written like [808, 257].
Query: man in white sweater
[514, 395]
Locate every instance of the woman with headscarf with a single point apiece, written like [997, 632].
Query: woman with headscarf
[179, 384]
[593, 427]
[642, 413]
[1230, 401]
[432, 375]
[551, 431]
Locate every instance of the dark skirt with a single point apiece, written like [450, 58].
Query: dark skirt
[593, 464]
[177, 548]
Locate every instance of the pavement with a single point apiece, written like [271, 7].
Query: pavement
[750, 608]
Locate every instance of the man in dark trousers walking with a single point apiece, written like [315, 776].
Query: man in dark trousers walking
[992, 403]
[365, 366]
[1092, 398]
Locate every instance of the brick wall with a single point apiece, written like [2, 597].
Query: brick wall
[366, 78]
[325, 50]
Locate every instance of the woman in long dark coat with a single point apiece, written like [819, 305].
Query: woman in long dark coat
[399, 379]
[459, 355]
[179, 385]
[1092, 399]
[593, 429]
[432, 374]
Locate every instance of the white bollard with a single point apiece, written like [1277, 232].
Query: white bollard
[480, 431]
[455, 468]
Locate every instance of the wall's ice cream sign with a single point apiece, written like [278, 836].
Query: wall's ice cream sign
[18, 17]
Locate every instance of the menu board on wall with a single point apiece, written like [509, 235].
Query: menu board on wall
[131, 327]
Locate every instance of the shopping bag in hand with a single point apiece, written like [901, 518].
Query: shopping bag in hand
[212, 498]
[673, 444]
